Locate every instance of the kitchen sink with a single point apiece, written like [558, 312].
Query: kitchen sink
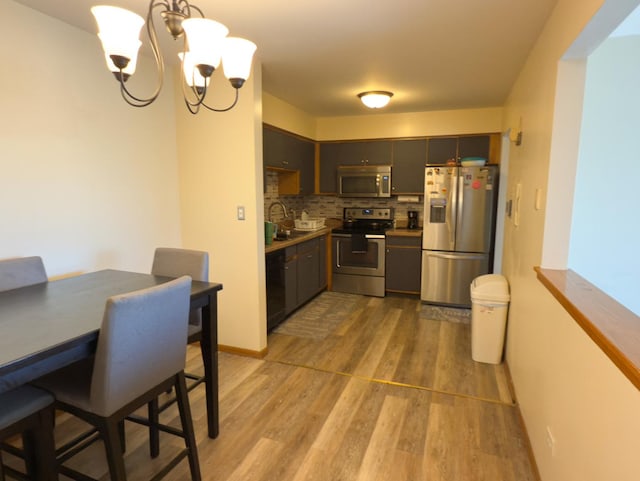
[293, 235]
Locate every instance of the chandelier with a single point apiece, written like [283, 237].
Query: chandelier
[205, 46]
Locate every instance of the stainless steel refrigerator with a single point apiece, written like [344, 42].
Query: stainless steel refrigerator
[459, 228]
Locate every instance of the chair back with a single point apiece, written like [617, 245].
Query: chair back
[21, 272]
[142, 342]
[174, 262]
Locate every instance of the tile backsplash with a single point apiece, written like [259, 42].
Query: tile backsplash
[329, 206]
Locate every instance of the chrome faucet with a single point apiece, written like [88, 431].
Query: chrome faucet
[284, 209]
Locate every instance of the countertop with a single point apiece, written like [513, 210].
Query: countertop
[305, 236]
[301, 236]
[405, 232]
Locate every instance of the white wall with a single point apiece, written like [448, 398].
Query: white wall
[86, 181]
[442, 122]
[220, 157]
[287, 117]
[562, 380]
[607, 195]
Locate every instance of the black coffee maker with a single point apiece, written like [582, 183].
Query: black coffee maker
[413, 219]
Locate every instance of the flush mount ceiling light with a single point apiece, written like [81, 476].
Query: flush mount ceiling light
[375, 99]
[205, 45]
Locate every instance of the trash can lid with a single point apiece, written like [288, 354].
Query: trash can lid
[490, 287]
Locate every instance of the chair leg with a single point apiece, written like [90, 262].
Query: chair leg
[46, 466]
[187, 426]
[154, 432]
[123, 437]
[110, 431]
[30, 452]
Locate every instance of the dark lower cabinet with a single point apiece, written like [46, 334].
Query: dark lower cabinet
[290, 280]
[295, 275]
[322, 261]
[403, 264]
[276, 297]
[308, 270]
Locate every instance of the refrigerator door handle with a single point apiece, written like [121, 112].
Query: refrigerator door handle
[457, 255]
[459, 202]
[454, 211]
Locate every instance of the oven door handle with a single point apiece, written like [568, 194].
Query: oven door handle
[368, 236]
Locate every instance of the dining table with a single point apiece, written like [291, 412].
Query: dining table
[47, 326]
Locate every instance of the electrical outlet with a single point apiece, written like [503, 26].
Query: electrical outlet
[240, 212]
[551, 442]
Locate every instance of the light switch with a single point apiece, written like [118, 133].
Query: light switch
[241, 212]
[538, 202]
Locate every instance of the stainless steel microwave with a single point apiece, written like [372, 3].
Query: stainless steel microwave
[364, 181]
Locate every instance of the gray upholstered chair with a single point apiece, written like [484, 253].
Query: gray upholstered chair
[140, 354]
[174, 262]
[21, 272]
[28, 411]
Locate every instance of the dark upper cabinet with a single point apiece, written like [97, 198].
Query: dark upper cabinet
[276, 149]
[441, 150]
[284, 151]
[306, 166]
[373, 152]
[329, 161]
[333, 154]
[474, 146]
[409, 159]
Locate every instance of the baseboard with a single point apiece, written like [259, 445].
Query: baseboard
[527, 440]
[243, 352]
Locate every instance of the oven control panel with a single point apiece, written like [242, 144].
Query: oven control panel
[363, 213]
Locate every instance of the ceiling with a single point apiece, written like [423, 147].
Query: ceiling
[318, 55]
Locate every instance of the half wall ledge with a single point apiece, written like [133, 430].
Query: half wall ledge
[613, 327]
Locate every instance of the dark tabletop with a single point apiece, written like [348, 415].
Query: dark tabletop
[41, 321]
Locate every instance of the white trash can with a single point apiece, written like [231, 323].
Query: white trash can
[489, 304]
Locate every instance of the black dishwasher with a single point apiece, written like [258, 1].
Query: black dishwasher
[275, 288]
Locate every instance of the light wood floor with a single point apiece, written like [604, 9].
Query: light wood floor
[388, 396]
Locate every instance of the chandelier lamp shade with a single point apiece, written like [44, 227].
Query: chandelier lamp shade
[205, 46]
[375, 99]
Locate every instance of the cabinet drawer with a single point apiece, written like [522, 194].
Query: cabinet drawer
[404, 241]
[307, 246]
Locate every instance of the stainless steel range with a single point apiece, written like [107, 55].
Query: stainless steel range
[359, 251]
